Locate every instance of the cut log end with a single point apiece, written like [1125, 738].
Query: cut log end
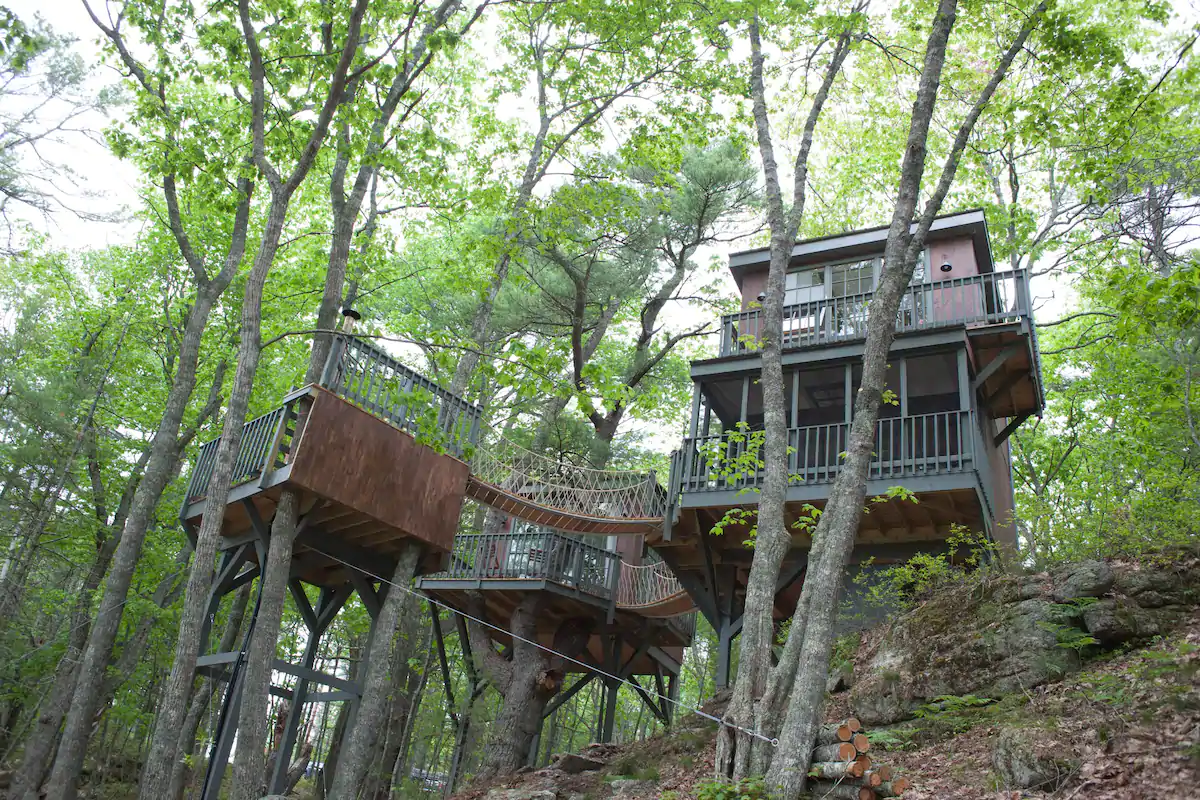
[861, 743]
[842, 751]
[894, 788]
[832, 734]
[836, 770]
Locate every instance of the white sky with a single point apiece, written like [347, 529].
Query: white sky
[109, 186]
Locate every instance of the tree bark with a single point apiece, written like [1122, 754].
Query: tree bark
[839, 523]
[182, 766]
[156, 775]
[355, 760]
[69, 761]
[773, 540]
[526, 683]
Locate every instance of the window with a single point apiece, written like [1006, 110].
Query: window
[804, 286]
[854, 278]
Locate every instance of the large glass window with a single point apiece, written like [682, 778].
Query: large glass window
[857, 277]
[804, 286]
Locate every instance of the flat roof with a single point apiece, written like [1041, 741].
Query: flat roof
[869, 241]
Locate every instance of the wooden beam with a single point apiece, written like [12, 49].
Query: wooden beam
[1009, 382]
[1012, 426]
[563, 697]
[995, 364]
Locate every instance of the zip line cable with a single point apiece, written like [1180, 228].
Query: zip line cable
[591, 667]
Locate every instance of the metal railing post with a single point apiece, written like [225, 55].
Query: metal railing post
[337, 348]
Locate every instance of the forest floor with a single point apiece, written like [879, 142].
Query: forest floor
[1126, 727]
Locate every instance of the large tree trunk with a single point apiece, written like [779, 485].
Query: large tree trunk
[734, 750]
[155, 781]
[249, 767]
[839, 524]
[406, 684]
[180, 769]
[526, 683]
[68, 764]
[353, 767]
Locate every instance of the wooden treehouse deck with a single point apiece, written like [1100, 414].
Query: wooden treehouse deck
[364, 485]
[573, 579]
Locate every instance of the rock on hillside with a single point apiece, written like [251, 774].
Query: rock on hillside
[1011, 633]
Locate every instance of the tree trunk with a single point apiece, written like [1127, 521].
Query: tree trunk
[773, 539]
[355, 760]
[406, 683]
[180, 769]
[156, 775]
[40, 743]
[839, 523]
[526, 683]
[68, 764]
[252, 721]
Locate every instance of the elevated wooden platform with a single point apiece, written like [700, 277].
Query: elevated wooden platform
[365, 487]
[1004, 364]
[646, 645]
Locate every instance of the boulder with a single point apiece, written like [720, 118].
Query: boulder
[986, 650]
[628, 787]
[521, 794]
[574, 764]
[1027, 758]
[1082, 579]
[1152, 588]
[1116, 620]
[841, 678]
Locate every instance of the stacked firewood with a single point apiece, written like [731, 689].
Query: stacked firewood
[841, 767]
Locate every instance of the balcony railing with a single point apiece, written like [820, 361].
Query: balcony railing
[385, 388]
[540, 555]
[929, 444]
[977, 300]
[368, 378]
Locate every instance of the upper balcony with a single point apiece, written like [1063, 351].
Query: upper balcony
[974, 301]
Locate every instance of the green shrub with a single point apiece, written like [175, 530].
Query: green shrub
[748, 789]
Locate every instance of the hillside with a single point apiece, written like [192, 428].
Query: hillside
[1080, 683]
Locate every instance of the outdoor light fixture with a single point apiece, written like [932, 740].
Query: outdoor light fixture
[946, 266]
[762, 296]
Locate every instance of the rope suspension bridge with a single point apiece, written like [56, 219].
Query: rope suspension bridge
[544, 490]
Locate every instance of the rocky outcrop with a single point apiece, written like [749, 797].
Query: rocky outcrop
[1028, 758]
[1011, 633]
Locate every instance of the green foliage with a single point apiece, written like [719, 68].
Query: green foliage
[902, 586]
[746, 789]
[950, 704]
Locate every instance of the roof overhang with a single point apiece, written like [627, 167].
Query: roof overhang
[867, 242]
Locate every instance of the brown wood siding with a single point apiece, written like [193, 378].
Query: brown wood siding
[352, 458]
[1001, 490]
[753, 284]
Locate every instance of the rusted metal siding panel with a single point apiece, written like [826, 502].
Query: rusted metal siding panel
[352, 458]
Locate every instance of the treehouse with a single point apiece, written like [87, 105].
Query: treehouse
[374, 453]
[964, 375]
[374, 450]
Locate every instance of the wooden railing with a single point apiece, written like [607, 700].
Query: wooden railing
[980, 299]
[264, 442]
[385, 388]
[929, 444]
[370, 379]
[542, 555]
